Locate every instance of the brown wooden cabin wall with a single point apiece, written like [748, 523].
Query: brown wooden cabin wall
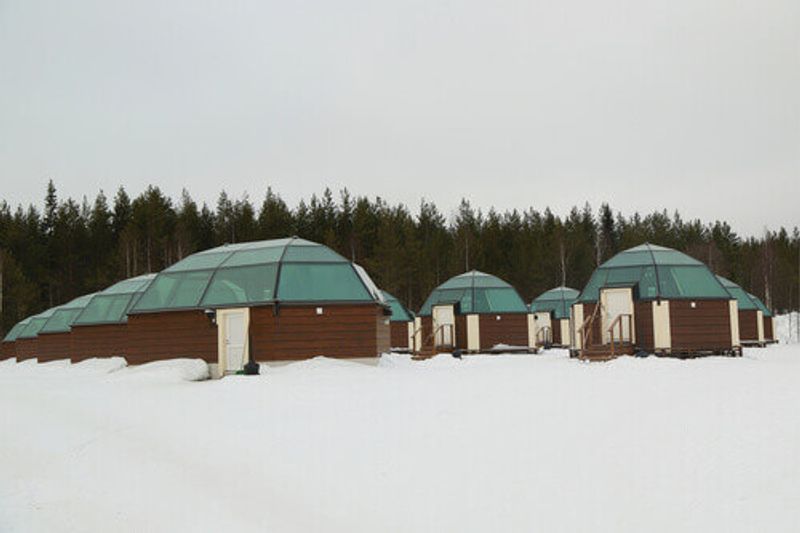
[555, 328]
[297, 333]
[26, 349]
[748, 325]
[511, 329]
[705, 327]
[769, 334]
[53, 346]
[8, 350]
[170, 335]
[102, 340]
[399, 335]
[343, 331]
[643, 323]
[461, 332]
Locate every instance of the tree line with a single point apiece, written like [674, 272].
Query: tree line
[73, 248]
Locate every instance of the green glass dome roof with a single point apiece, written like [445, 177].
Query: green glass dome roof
[743, 300]
[399, 312]
[558, 300]
[14, 332]
[657, 272]
[62, 318]
[35, 324]
[476, 292]
[284, 270]
[760, 305]
[111, 305]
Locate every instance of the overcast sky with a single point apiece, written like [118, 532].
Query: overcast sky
[682, 104]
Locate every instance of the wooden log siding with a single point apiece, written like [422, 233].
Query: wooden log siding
[8, 350]
[706, 327]
[462, 339]
[748, 325]
[555, 327]
[511, 329]
[343, 331]
[399, 335]
[53, 346]
[26, 349]
[643, 323]
[768, 333]
[102, 340]
[427, 331]
[171, 335]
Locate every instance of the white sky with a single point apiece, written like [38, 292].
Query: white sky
[684, 104]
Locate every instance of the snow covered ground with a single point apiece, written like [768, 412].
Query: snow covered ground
[487, 443]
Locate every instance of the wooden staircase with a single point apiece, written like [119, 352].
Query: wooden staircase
[430, 347]
[604, 352]
[618, 344]
[426, 352]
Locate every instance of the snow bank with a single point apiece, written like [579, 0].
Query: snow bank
[395, 360]
[99, 365]
[317, 366]
[168, 370]
[63, 367]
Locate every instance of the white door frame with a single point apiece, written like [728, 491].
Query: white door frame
[438, 320]
[608, 315]
[542, 320]
[222, 352]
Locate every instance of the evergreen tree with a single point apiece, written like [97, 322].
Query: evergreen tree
[275, 219]
[72, 248]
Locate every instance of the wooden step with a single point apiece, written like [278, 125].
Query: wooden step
[602, 352]
[429, 351]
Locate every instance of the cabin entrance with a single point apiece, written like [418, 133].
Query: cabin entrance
[444, 326]
[617, 307]
[232, 345]
[544, 328]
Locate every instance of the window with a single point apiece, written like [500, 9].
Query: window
[174, 291]
[105, 308]
[306, 282]
[248, 284]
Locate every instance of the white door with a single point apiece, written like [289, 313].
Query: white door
[234, 340]
[444, 323]
[617, 302]
[544, 328]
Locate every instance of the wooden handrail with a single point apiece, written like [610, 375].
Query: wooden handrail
[618, 322]
[432, 335]
[586, 331]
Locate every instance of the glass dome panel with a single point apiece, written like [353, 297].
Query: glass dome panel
[16, 330]
[242, 285]
[105, 309]
[320, 282]
[61, 321]
[257, 256]
[399, 311]
[175, 290]
[312, 254]
[200, 261]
